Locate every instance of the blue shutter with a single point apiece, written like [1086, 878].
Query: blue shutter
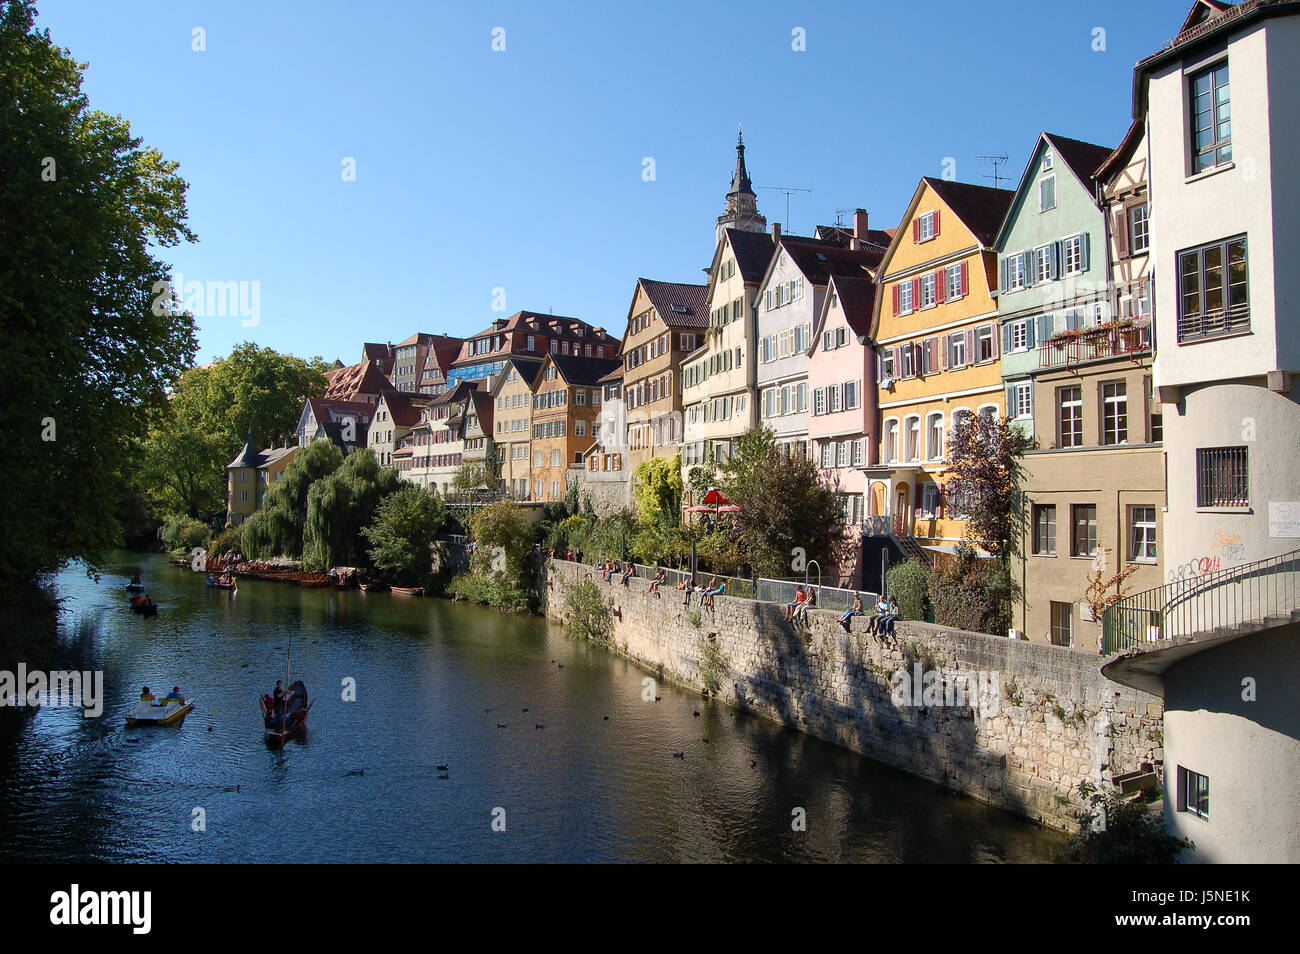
[1083, 257]
[1010, 404]
[1031, 268]
[1006, 338]
[1029, 333]
[1002, 274]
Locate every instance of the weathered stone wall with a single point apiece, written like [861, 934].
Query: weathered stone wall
[1052, 721]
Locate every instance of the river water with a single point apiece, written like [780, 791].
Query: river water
[542, 733]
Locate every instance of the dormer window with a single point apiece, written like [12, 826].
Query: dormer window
[1047, 162]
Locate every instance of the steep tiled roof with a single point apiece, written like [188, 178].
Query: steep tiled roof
[362, 378]
[679, 305]
[584, 371]
[1121, 153]
[527, 367]
[753, 251]
[819, 260]
[981, 208]
[615, 375]
[857, 296]
[404, 407]
[1083, 158]
[326, 409]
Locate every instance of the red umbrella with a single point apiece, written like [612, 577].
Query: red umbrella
[715, 497]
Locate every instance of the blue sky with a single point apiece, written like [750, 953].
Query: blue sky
[522, 169]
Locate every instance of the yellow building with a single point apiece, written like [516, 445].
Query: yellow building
[935, 329]
[512, 393]
[250, 475]
[566, 408]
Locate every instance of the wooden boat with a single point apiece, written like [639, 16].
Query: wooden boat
[283, 726]
[181, 562]
[374, 587]
[164, 712]
[312, 579]
[144, 609]
[217, 584]
[408, 590]
[135, 587]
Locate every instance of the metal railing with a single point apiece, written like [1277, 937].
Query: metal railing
[769, 591]
[1214, 323]
[1260, 592]
[1094, 344]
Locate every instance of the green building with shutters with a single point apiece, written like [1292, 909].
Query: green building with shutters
[1053, 273]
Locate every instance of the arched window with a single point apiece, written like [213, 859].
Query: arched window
[912, 438]
[891, 441]
[934, 436]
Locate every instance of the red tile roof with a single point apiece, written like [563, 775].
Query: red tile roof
[679, 305]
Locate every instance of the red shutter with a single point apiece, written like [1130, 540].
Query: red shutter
[938, 503]
[936, 223]
[916, 230]
[965, 279]
[916, 293]
[945, 359]
[896, 299]
[940, 286]
[898, 361]
[970, 345]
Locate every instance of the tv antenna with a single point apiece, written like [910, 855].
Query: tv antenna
[789, 191]
[839, 217]
[996, 175]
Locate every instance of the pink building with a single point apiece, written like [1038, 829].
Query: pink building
[843, 417]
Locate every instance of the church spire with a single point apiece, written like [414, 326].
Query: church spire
[741, 210]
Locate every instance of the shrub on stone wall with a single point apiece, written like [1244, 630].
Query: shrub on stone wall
[586, 610]
[1134, 832]
[908, 583]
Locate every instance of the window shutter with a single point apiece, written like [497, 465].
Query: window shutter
[1054, 260]
[994, 329]
[1084, 251]
[941, 285]
[970, 345]
[936, 223]
[945, 353]
[896, 299]
[965, 278]
[1004, 275]
[1031, 268]
[1011, 400]
[1006, 338]
[916, 230]
[1029, 333]
[1120, 228]
[916, 293]
[898, 361]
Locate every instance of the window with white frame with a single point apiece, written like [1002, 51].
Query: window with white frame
[930, 497]
[957, 349]
[926, 228]
[984, 343]
[1016, 271]
[1022, 396]
[891, 441]
[1072, 253]
[909, 360]
[843, 453]
[819, 401]
[934, 436]
[904, 297]
[851, 398]
[1139, 239]
[827, 454]
[952, 282]
[580, 428]
[1020, 335]
[927, 290]
[913, 439]
[1043, 264]
[1114, 413]
[1142, 534]
[887, 364]
[832, 399]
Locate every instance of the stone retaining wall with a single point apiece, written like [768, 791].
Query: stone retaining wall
[1048, 719]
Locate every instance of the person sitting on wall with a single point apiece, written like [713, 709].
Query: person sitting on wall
[885, 622]
[712, 591]
[882, 610]
[629, 571]
[801, 611]
[799, 597]
[657, 581]
[610, 567]
[854, 610]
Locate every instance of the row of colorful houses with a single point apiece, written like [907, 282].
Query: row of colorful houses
[1125, 305]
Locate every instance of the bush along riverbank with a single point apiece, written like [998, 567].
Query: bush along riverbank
[1031, 728]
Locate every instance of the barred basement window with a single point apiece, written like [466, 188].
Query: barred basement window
[1222, 477]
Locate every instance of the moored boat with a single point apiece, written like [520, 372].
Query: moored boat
[408, 590]
[165, 712]
[219, 584]
[375, 587]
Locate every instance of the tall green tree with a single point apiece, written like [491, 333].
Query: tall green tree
[84, 207]
[400, 538]
[212, 409]
[986, 481]
[657, 491]
[339, 506]
[784, 505]
[278, 528]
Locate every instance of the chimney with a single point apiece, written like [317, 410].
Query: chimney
[859, 227]
[776, 232]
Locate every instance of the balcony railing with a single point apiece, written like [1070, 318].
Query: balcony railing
[1093, 345]
[1263, 592]
[1214, 324]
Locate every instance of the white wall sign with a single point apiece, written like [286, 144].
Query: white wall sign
[1284, 518]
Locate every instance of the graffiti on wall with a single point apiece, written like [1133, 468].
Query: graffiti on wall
[1226, 549]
